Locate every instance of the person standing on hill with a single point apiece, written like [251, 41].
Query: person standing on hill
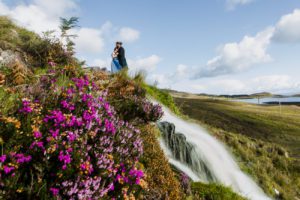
[121, 55]
[115, 65]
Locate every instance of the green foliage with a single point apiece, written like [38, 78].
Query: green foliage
[163, 97]
[67, 25]
[36, 50]
[213, 192]
[8, 99]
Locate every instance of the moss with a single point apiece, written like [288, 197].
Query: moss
[213, 192]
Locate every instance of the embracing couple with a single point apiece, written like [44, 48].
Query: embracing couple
[118, 58]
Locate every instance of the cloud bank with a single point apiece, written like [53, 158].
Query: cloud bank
[44, 15]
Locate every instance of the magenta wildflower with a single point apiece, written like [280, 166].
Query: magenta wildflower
[54, 191]
[2, 158]
[21, 158]
[26, 107]
[37, 134]
[8, 169]
[38, 144]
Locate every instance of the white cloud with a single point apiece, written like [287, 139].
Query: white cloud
[102, 63]
[4, 10]
[235, 57]
[288, 28]
[147, 64]
[232, 4]
[166, 80]
[39, 15]
[127, 34]
[89, 41]
[274, 83]
[277, 84]
[44, 15]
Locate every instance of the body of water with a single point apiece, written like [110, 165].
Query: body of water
[274, 100]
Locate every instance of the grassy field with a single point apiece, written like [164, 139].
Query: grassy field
[265, 122]
[264, 139]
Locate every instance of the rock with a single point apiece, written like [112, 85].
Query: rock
[8, 58]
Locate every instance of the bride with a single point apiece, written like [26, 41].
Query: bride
[115, 65]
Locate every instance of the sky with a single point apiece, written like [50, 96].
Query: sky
[199, 46]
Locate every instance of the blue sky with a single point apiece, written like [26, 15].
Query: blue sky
[210, 46]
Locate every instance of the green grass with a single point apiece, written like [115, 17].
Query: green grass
[213, 192]
[258, 135]
[8, 101]
[256, 121]
[163, 97]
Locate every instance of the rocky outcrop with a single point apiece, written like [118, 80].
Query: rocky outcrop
[184, 151]
[8, 58]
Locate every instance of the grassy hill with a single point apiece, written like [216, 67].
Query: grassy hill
[68, 132]
[264, 138]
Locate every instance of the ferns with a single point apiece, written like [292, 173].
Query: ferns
[2, 79]
[18, 73]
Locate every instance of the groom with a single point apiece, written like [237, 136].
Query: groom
[121, 55]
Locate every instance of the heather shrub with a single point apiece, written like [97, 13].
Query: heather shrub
[129, 99]
[69, 143]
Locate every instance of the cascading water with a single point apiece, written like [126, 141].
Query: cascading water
[194, 151]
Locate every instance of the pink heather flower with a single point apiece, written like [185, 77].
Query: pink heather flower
[37, 144]
[65, 158]
[22, 159]
[109, 126]
[54, 191]
[57, 116]
[37, 134]
[86, 166]
[67, 105]
[25, 107]
[71, 136]
[54, 133]
[52, 64]
[137, 174]
[2, 158]
[7, 169]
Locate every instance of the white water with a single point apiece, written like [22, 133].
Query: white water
[220, 162]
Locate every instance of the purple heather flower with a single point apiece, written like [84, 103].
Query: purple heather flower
[54, 133]
[52, 64]
[7, 169]
[71, 136]
[38, 144]
[65, 158]
[21, 158]
[2, 158]
[37, 134]
[26, 107]
[54, 191]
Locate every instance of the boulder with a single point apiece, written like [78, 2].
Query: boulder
[8, 58]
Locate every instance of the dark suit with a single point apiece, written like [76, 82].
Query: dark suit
[121, 57]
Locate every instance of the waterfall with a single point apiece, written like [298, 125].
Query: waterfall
[202, 157]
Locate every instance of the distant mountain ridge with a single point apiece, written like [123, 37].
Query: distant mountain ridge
[238, 96]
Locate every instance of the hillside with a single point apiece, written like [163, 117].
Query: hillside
[265, 139]
[73, 133]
